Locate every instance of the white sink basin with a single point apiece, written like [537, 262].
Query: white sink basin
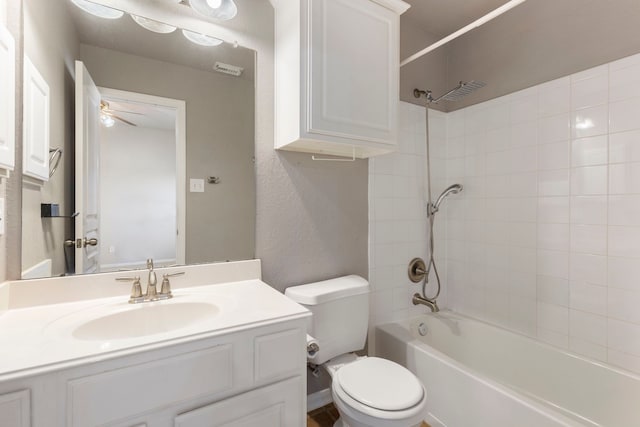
[145, 319]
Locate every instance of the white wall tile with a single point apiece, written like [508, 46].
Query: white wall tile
[589, 349]
[623, 115]
[588, 298]
[587, 326]
[554, 156]
[553, 183]
[553, 318]
[589, 209]
[553, 236]
[623, 273]
[591, 91]
[552, 290]
[553, 263]
[553, 209]
[589, 181]
[589, 151]
[589, 239]
[590, 121]
[554, 97]
[624, 210]
[623, 305]
[554, 128]
[623, 336]
[524, 134]
[624, 178]
[623, 241]
[588, 268]
[624, 147]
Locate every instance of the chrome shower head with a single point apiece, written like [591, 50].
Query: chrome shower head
[452, 189]
[463, 89]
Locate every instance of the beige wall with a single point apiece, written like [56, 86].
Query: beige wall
[220, 135]
[539, 41]
[51, 44]
[428, 74]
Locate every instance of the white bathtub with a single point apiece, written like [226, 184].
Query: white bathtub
[480, 375]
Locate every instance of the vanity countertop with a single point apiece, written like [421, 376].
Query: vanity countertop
[41, 338]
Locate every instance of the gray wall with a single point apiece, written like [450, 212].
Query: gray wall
[51, 44]
[536, 42]
[220, 135]
[427, 74]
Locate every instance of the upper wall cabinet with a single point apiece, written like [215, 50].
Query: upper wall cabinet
[7, 99]
[36, 123]
[337, 76]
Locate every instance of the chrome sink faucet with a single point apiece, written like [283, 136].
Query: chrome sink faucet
[152, 281]
[152, 292]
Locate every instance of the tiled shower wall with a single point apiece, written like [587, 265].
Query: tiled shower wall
[545, 239]
[397, 213]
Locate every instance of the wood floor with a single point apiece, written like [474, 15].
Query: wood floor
[326, 416]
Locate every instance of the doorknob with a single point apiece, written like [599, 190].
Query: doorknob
[89, 242]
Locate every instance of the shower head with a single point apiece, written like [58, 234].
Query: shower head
[463, 89]
[452, 189]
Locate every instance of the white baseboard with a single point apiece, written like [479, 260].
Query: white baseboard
[318, 399]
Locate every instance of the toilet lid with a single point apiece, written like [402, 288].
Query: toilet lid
[380, 384]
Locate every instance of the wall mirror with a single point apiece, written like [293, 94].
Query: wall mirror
[151, 130]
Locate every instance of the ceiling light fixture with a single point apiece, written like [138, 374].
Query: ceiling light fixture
[98, 10]
[201, 39]
[216, 9]
[155, 26]
[107, 121]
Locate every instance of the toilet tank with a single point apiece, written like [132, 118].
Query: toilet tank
[340, 310]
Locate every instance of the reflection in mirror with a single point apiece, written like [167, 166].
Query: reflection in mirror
[161, 165]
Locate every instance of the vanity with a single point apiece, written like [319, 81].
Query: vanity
[227, 349]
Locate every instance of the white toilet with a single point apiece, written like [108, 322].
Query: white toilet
[367, 391]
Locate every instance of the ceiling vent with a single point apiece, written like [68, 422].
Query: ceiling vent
[232, 70]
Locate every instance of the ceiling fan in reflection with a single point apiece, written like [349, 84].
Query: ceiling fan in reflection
[108, 116]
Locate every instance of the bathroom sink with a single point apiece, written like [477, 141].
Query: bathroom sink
[145, 319]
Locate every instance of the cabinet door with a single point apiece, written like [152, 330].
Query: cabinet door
[7, 98]
[36, 123]
[277, 405]
[15, 409]
[353, 70]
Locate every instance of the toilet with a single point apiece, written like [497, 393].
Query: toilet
[367, 391]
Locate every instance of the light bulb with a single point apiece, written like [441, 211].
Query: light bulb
[155, 26]
[107, 121]
[98, 10]
[201, 39]
[222, 10]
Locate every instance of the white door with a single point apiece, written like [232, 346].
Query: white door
[87, 163]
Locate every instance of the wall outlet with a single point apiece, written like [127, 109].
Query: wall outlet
[196, 185]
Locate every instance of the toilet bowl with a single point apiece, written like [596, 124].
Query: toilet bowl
[374, 392]
[367, 391]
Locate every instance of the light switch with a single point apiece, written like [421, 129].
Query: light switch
[196, 185]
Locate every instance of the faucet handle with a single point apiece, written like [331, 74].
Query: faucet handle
[165, 290]
[136, 288]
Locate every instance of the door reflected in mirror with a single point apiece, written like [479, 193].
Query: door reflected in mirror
[156, 117]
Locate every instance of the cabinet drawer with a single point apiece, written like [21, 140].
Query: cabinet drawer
[277, 405]
[122, 393]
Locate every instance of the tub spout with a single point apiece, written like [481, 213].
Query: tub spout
[432, 304]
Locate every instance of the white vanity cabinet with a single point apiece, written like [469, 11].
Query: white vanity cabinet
[337, 76]
[254, 377]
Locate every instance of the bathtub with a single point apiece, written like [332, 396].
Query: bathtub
[480, 375]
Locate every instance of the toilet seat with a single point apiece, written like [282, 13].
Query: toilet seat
[370, 415]
[380, 384]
